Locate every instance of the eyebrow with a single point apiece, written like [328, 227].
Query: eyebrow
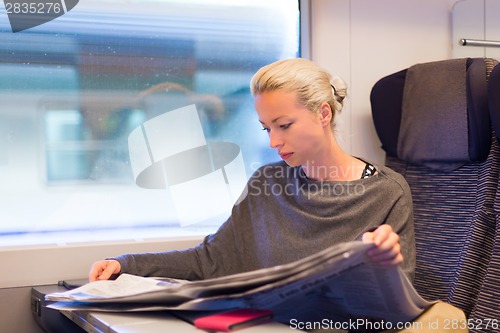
[272, 121]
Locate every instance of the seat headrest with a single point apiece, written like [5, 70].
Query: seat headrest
[434, 114]
[386, 99]
[494, 99]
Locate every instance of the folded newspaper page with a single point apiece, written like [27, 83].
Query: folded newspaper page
[339, 283]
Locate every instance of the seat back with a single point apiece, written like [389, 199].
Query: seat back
[432, 120]
[486, 307]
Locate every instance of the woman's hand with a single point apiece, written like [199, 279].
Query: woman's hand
[387, 249]
[104, 270]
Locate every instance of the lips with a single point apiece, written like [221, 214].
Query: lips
[285, 156]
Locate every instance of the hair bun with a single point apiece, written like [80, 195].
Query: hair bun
[339, 92]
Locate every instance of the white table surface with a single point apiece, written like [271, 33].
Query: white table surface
[152, 322]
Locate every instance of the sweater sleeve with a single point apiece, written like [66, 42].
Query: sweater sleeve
[219, 254]
[215, 256]
[400, 217]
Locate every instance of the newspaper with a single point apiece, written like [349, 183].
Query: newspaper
[338, 283]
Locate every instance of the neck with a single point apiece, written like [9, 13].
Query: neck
[334, 164]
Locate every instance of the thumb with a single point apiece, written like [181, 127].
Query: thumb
[112, 267]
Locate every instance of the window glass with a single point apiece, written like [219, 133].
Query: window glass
[133, 119]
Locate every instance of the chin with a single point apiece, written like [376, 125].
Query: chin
[292, 163]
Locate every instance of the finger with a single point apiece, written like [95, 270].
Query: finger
[386, 242]
[96, 270]
[391, 256]
[93, 276]
[112, 267]
[106, 273]
[382, 254]
[387, 254]
[390, 243]
[367, 237]
[381, 234]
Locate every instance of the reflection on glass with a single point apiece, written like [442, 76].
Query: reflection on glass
[73, 91]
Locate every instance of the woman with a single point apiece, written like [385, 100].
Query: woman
[316, 197]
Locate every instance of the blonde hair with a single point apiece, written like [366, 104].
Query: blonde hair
[312, 84]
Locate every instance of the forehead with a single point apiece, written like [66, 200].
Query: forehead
[275, 100]
[272, 105]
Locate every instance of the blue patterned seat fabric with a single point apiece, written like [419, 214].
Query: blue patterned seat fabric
[487, 306]
[438, 135]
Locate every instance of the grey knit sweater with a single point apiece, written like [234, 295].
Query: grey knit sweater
[284, 216]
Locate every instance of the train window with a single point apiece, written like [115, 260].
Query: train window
[133, 119]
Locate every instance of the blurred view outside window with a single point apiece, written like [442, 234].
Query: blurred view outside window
[133, 119]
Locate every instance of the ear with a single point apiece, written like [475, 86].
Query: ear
[325, 114]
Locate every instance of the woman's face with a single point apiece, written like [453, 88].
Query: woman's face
[294, 131]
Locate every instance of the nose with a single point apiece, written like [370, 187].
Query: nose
[275, 140]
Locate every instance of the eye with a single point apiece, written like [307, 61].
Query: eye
[266, 129]
[285, 126]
